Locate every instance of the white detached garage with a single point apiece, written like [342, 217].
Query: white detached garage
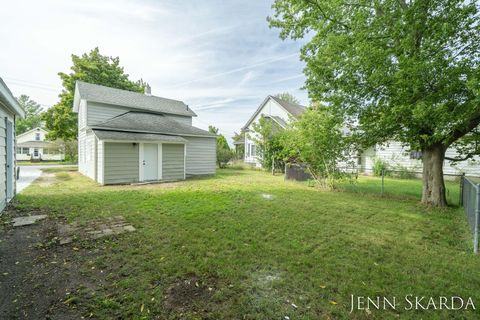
[128, 137]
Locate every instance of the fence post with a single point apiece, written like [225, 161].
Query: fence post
[462, 181]
[383, 181]
[477, 216]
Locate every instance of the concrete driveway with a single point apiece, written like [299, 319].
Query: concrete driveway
[28, 174]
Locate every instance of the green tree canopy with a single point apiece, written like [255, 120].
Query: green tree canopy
[288, 97]
[317, 139]
[267, 138]
[400, 70]
[224, 154]
[33, 115]
[91, 67]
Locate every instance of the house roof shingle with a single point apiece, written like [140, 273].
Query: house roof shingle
[293, 108]
[135, 136]
[133, 121]
[136, 100]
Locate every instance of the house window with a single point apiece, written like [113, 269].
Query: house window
[254, 150]
[37, 136]
[416, 155]
[21, 150]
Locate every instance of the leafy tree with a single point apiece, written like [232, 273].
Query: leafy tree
[224, 154]
[91, 67]
[267, 137]
[317, 140]
[399, 70]
[288, 97]
[33, 115]
[239, 148]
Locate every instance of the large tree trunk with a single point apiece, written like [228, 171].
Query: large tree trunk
[433, 183]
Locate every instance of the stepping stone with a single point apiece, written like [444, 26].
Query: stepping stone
[27, 220]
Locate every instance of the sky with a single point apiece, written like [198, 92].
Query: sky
[219, 57]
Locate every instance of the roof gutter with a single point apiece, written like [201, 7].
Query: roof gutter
[153, 132]
[9, 101]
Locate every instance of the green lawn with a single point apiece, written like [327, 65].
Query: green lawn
[252, 258]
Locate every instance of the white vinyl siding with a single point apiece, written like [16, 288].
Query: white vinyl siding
[3, 156]
[396, 156]
[90, 155]
[173, 161]
[81, 151]
[100, 164]
[121, 162]
[201, 156]
[82, 114]
[98, 113]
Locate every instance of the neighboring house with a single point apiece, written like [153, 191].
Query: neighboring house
[128, 137]
[279, 111]
[398, 157]
[31, 145]
[9, 111]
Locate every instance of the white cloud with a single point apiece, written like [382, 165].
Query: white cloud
[220, 57]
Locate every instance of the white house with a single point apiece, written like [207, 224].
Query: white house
[397, 157]
[31, 145]
[279, 111]
[128, 137]
[393, 153]
[9, 111]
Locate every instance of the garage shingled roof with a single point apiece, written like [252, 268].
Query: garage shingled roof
[133, 121]
[136, 100]
[136, 136]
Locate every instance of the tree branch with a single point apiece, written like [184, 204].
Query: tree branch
[458, 133]
[468, 156]
[316, 4]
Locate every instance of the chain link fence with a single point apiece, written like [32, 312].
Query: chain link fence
[470, 200]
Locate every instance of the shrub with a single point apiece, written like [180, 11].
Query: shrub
[379, 166]
[403, 173]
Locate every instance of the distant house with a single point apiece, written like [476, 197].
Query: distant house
[128, 137]
[279, 111]
[9, 111]
[31, 145]
[398, 157]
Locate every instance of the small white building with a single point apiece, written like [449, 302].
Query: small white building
[279, 111]
[130, 137]
[9, 111]
[32, 145]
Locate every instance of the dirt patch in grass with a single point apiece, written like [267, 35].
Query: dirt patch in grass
[42, 280]
[47, 179]
[190, 294]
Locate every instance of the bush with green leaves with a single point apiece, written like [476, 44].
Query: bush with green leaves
[224, 154]
[267, 135]
[379, 166]
[317, 139]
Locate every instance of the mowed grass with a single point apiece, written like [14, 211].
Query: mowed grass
[301, 254]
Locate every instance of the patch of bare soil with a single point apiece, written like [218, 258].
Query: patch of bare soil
[190, 294]
[40, 279]
[47, 179]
